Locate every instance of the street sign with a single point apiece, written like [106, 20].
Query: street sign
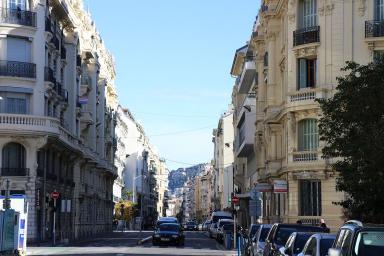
[235, 200]
[55, 195]
[255, 207]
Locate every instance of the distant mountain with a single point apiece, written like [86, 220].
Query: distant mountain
[177, 178]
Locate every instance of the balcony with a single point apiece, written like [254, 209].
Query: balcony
[85, 85]
[306, 35]
[27, 124]
[17, 69]
[14, 172]
[63, 93]
[306, 97]
[374, 28]
[18, 17]
[247, 77]
[305, 156]
[245, 136]
[49, 75]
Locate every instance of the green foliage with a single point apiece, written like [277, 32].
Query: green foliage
[352, 126]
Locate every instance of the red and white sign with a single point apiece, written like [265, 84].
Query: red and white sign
[280, 186]
[55, 195]
[235, 200]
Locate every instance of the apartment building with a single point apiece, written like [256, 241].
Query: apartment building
[223, 161]
[57, 116]
[161, 176]
[295, 52]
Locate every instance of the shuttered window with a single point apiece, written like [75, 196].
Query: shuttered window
[13, 156]
[18, 49]
[308, 13]
[16, 106]
[379, 9]
[308, 135]
[307, 73]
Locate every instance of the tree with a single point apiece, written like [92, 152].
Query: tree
[127, 212]
[352, 125]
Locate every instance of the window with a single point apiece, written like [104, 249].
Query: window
[18, 49]
[311, 247]
[307, 69]
[308, 13]
[379, 9]
[16, 105]
[308, 135]
[18, 4]
[310, 198]
[378, 55]
[13, 156]
[266, 59]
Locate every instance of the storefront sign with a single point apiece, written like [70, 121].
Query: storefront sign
[264, 187]
[280, 186]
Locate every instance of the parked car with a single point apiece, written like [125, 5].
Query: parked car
[190, 225]
[258, 240]
[221, 229]
[212, 230]
[206, 225]
[253, 228]
[200, 227]
[318, 245]
[169, 233]
[166, 220]
[356, 239]
[294, 244]
[279, 234]
[216, 216]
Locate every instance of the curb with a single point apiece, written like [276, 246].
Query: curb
[144, 240]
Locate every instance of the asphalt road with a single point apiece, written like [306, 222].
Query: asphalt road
[125, 243]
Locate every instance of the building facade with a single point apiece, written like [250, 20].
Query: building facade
[57, 117]
[295, 53]
[223, 162]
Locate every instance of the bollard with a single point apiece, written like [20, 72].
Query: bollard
[238, 246]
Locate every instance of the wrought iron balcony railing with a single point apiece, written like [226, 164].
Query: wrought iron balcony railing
[5, 171]
[17, 16]
[17, 69]
[306, 35]
[49, 75]
[374, 28]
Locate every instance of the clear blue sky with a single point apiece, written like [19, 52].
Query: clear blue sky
[173, 59]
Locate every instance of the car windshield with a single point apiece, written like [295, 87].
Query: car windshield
[264, 234]
[165, 227]
[300, 241]
[369, 243]
[325, 244]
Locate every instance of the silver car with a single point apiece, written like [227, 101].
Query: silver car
[318, 245]
[258, 241]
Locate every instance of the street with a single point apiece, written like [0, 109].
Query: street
[125, 243]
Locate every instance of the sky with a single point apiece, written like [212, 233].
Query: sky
[173, 59]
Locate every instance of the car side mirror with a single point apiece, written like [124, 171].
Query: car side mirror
[334, 252]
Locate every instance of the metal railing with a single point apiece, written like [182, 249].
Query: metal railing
[306, 35]
[17, 16]
[17, 69]
[13, 172]
[49, 75]
[374, 28]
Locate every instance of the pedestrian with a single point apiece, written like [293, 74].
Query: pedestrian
[323, 225]
[299, 222]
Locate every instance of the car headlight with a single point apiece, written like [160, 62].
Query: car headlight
[175, 236]
[157, 235]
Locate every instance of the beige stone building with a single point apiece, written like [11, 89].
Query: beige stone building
[57, 101]
[294, 54]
